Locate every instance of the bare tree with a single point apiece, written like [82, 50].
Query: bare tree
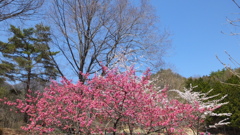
[234, 21]
[104, 32]
[233, 61]
[18, 8]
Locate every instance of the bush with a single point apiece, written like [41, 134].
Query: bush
[109, 103]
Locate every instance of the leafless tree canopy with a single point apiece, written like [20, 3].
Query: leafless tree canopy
[234, 21]
[18, 8]
[105, 32]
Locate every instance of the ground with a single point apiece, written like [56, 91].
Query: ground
[9, 131]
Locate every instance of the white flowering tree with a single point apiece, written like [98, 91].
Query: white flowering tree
[207, 104]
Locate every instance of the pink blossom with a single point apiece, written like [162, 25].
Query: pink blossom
[115, 99]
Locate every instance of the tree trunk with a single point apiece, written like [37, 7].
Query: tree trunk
[26, 117]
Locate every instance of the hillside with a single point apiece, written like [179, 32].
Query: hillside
[166, 77]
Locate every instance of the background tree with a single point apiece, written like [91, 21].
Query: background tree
[5, 67]
[18, 8]
[28, 56]
[94, 32]
[168, 77]
[223, 82]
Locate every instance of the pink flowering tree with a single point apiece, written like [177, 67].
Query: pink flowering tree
[111, 103]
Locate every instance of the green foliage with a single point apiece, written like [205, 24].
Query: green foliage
[27, 56]
[3, 91]
[5, 67]
[223, 82]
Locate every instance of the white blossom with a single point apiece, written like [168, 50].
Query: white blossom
[205, 102]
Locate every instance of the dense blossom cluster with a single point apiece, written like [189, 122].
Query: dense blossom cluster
[116, 102]
[206, 105]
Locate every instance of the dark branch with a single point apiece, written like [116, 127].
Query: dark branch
[236, 3]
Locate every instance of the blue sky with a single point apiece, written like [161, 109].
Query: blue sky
[196, 27]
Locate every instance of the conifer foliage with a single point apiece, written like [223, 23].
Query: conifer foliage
[27, 56]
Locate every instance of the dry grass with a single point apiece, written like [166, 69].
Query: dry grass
[9, 131]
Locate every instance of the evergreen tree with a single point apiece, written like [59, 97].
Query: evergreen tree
[27, 56]
[5, 67]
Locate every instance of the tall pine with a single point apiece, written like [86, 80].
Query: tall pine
[27, 56]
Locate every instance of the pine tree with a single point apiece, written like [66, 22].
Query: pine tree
[27, 56]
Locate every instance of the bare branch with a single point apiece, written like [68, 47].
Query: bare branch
[236, 3]
[233, 61]
[97, 32]
[18, 8]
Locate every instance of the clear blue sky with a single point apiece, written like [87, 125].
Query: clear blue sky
[196, 27]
